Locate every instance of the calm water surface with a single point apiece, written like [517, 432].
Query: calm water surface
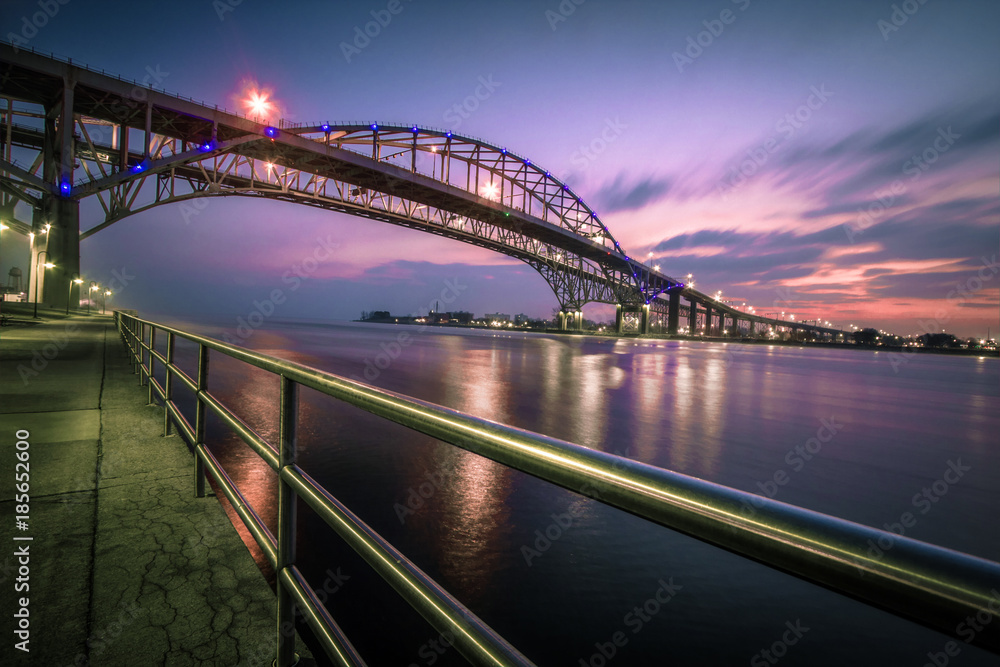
[730, 414]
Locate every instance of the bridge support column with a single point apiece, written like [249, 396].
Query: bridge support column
[63, 243]
[644, 323]
[708, 320]
[562, 320]
[619, 320]
[692, 317]
[673, 313]
[579, 320]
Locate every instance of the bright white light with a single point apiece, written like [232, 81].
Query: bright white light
[491, 191]
[257, 103]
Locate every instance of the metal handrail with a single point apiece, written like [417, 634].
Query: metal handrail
[931, 585]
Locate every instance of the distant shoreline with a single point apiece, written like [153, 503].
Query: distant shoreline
[898, 349]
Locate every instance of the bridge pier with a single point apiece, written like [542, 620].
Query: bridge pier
[56, 224]
[619, 320]
[673, 313]
[644, 322]
[61, 246]
[692, 317]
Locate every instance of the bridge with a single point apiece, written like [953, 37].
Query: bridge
[133, 147]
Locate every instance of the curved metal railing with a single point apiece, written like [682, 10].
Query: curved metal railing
[933, 586]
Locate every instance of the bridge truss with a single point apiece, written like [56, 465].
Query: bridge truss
[133, 148]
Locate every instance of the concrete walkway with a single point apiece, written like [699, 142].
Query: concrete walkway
[127, 567]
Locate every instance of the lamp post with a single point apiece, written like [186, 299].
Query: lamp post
[93, 286]
[104, 303]
[47, 265]
[78, 281]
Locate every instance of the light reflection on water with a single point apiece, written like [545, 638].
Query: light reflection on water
[729, 414]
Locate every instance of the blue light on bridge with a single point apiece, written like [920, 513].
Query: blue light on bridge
[527, 163]
[65, 188]
[448, 134]
[325, 127]
[206, 147]
[270, 131]
[139, 167]
[415, 129]
[503, 150]
[374, 126]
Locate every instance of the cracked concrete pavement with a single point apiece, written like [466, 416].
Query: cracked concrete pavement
[127, 567]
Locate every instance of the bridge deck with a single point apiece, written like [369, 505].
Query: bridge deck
[122, 553]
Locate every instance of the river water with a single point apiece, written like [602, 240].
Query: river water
[572, 582]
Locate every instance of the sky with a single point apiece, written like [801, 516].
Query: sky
[833, 159]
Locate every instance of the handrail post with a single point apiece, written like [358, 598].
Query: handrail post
[152, 361]
[286, 522]
[168, 384]
[199, 421]
[137, 353]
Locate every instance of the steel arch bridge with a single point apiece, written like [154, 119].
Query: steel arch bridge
[133, 148]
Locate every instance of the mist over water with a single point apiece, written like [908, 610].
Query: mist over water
[568, 580]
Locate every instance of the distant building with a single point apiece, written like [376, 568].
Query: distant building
[496, 317]
[461, 317]
[521, 319]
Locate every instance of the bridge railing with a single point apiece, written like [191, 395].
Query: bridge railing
[933, 586]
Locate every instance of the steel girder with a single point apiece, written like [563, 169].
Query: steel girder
[127, 135]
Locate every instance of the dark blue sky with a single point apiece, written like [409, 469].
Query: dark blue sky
[747, 160]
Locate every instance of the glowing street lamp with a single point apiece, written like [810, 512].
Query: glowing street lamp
[78, 281]
[47, 265]
[93, 286]
[104, 303]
